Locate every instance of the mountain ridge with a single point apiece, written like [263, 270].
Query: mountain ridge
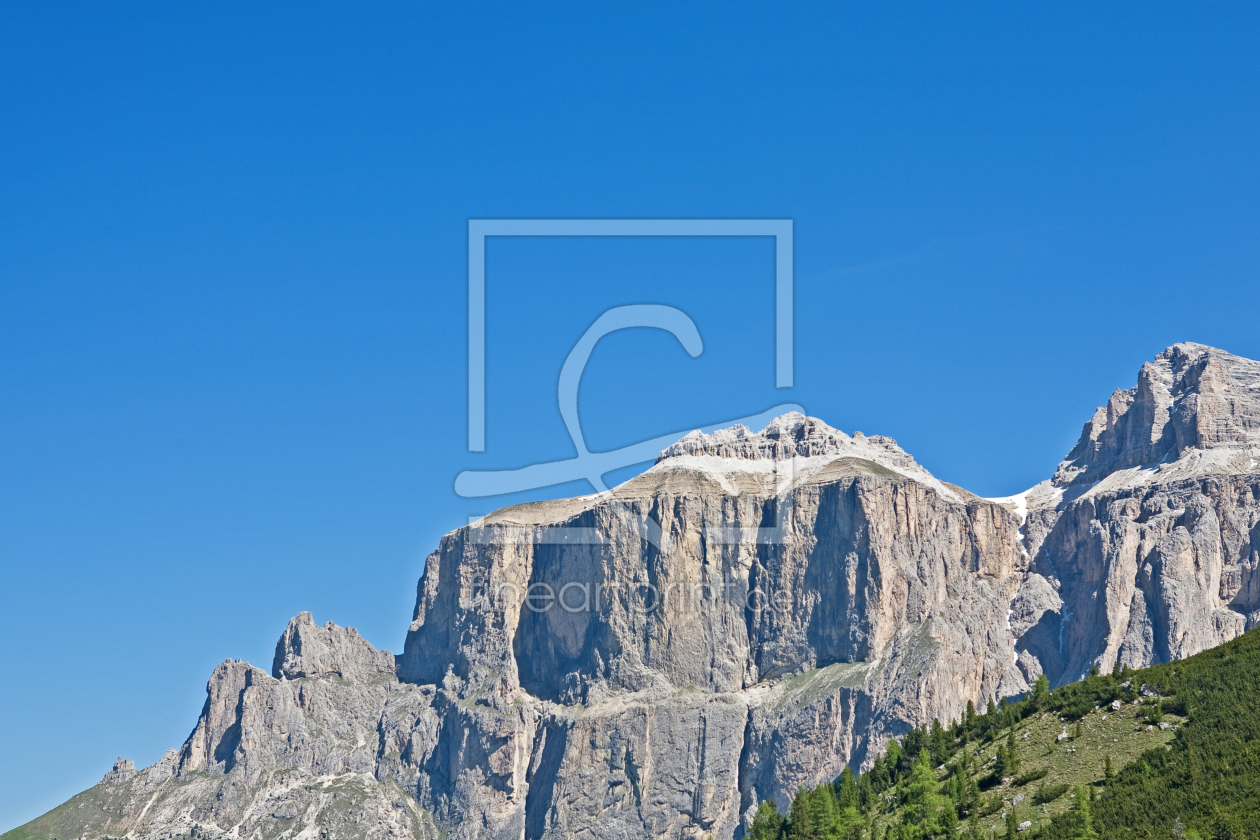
[755, 612]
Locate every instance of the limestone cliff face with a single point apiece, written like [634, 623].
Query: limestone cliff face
[753, 613]
[1148, 528]
[1191, 397]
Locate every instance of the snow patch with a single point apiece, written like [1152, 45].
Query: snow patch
[1037, 497]
[727, 452]
[1017, 503]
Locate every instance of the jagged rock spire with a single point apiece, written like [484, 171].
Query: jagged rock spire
[1190, 397]
[307, 650]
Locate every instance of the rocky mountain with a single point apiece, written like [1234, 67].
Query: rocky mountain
[1149, 527]
[753, 613]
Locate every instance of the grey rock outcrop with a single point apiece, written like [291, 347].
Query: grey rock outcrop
[1191, 397]
[1149, 526]
[308, 650]
[124, 769]
[755, 612]
[776, 604]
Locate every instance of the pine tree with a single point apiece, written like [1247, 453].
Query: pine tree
[1108, 775]
[878, 774]
[892, 761]
[938, 743]
[768, 824]
[1012, 755]
[865, 792]
[847, 789]
[824, 811]
[1084, 819]
[1041, 692]
[923, 813]
[949, 820]
[914, 742]
[800, 823]
[1012, 825]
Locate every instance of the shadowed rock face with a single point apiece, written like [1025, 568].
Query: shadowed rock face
[751, 614]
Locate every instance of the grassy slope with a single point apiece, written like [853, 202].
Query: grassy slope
[93, 812]
[1120, 734]
[1201, 777]
[1209, 779]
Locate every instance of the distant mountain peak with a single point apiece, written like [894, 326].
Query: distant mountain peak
[792, 435]
[792, 438]
[1191, 402]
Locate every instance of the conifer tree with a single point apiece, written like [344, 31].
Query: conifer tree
[767, 824]
[892, 761]
[800, 824]
[1012, 755]
[938, 743]
[847, 789]
[923, 813]
[1041, 692]
[973, 825]
[1084, 819]
[915, 741]
[865, 792]
[824, 811]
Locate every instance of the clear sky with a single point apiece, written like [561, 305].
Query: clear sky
[233, 267]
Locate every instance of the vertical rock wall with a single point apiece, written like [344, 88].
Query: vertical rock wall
[752, 614]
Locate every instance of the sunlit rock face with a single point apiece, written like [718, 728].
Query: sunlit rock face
[1148, 527]
[751, 614]
[754, 612]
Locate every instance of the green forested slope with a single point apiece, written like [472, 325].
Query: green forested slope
[1101, 758]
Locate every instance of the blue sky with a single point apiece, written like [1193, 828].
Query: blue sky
[232, 283]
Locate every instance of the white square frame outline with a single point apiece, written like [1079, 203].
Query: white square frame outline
[479, 229]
